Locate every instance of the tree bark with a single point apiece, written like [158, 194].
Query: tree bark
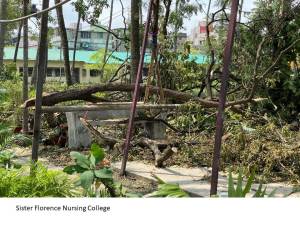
[64, 43]
[109, 28]
[41, 71]
[25, 66]
[87, 95]
[167, 4]
[34, 72]
[176, 26]
[212, 54]
[135, 39]
[3, 15]
[18, 42]
[141, 11]
[75, 44]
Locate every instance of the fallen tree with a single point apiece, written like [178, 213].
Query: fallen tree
[87, 94]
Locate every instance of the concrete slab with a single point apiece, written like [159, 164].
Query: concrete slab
[192, 180]
[196, 180]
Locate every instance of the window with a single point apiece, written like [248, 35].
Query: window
[30, 71]
[100, 35]
[85, 34]
[59, 72]
[95, 73]
[49, 72]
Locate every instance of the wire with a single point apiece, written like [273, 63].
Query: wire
[35, 14]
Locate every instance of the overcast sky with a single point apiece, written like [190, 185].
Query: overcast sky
[71, 17]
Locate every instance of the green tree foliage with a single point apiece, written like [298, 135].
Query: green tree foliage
[90, 10]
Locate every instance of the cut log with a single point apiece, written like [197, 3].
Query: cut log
[162, 149]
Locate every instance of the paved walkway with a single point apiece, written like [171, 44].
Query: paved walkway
[194, 180]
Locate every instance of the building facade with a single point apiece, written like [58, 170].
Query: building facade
[86, 63]
[90, 38]
[198, 35]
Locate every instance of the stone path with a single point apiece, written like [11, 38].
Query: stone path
[195, 180]
[24, 157]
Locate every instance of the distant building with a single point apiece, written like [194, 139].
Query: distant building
[55, 70]
[90, 38]
[118, 43]
[84, 59]
[198, 35]
[32, 42]
[181, 39]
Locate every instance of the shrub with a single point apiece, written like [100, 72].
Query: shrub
[93, 172]
[43, 183]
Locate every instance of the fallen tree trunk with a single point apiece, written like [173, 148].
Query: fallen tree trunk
[87, 95]
[106, 106]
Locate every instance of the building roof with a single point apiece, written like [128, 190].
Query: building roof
[122, 56]
[87, 57]
[55, 54]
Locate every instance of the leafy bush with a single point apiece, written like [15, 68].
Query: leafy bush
[11, 99]
[44, 183]
[240, 192]
[22, 140]
[5, 134]
[7, 160]
[92, 172]
[8, 72]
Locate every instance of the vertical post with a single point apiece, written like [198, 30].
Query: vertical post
[41, 74]
[222, 98]
[3, 15]
[25, 66]
[136, 92]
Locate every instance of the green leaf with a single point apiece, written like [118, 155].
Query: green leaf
[239, 186]
[258, 192]
[17, 166]
[104, 173]
[264, 192]
[169, 190]
[87, 179]
[93, 161]
[272, 194]
[249, 183]
[97, 152]
[80, 159]
[74, 169]
[160, 181]
[231, 190]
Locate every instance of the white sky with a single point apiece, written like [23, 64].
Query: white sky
[71, 17]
